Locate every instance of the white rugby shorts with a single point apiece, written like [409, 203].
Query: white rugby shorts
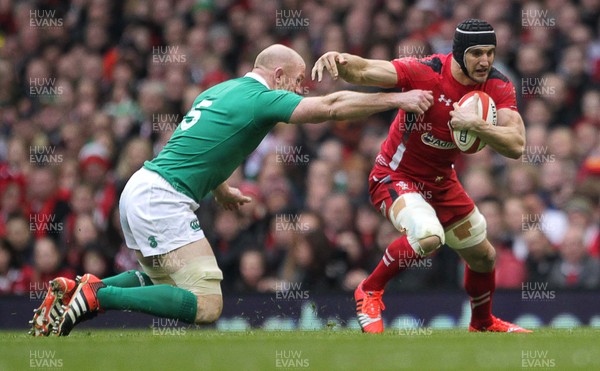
[155, 218]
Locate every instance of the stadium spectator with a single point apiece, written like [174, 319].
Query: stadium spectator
[47, 264]
[20, 238]
[479, 184]
[337, 214]
[522, 179]
[94, 161]
[556, 181]
[314, 263]
[85, 233]
[252, 273]
[252, 216]
[11, 201]
[574, 268]
[45, 207]
[95, 260]
[367, 224]
[541, 255]
[134, 154]
[580, 213]
[12, 280]
[553, 222]
[537, 112]
[230, 242]
[319, 184]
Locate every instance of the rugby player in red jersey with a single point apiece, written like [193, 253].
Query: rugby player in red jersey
[413, 181]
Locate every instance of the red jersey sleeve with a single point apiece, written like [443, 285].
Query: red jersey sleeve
[402, 67]
[504, 94]
[415, 73]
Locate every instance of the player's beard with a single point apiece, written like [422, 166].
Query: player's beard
[479, 76]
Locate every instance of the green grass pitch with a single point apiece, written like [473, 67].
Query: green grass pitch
[198, 349]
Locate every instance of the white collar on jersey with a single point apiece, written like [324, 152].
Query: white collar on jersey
[258, 78]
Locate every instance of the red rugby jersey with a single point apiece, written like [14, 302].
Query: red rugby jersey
[420, 145]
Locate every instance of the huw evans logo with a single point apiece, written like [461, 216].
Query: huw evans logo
[290, 291]
[531, 18]
[44, 359]
[168, 54]
[536, 291]
[537, 359]
[44, 155]
[290, 19]
[44, 18]
[44, 86]
[167, 326]
[291, 155]
[290, 359]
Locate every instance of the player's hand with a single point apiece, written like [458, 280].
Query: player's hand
[329, 61]
[466, 117]
[417, 101]
[230, 198]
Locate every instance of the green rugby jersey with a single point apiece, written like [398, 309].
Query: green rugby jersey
[226, 123]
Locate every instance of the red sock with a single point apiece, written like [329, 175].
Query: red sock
[396, 258]
[480, 287]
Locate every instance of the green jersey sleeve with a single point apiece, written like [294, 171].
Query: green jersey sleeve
[275, 106]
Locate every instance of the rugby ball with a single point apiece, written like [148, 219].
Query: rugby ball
[470, 142]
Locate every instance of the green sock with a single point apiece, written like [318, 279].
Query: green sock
[159, 300]
[130, 278]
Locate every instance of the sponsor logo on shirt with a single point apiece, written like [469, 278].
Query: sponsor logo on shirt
[434, 142]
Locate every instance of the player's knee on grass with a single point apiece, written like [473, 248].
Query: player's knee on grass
[209, 308]
[411, 214]
[202, 277]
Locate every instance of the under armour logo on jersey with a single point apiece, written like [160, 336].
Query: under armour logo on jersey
[443, 98]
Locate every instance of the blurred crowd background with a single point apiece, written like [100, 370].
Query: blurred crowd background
[90, 89]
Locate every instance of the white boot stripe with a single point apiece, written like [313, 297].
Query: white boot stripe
[71, 315]
[82, 303]
[365, 320]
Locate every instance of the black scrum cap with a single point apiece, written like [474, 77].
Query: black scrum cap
[470, 33]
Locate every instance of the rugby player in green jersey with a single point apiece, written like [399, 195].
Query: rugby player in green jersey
[180, 277]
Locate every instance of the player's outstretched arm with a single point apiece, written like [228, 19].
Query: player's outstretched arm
[356, 70]
[507, 138]
[347, 105]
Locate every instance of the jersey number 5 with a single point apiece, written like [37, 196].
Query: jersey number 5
[194, 115]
